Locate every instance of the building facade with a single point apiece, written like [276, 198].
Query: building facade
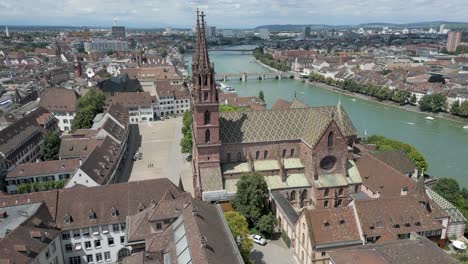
[453, 40]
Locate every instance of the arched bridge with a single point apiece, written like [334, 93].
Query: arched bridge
[249, 76]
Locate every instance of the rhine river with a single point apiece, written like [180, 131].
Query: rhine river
[443, 143]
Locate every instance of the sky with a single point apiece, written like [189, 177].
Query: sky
[227, 13]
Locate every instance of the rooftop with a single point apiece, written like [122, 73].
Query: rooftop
[44, 168]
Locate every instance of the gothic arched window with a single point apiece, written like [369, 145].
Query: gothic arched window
[284, 153]
[228, 157]
[207, 117]
[292, 152]
[239, 156]
[205, 96]
[207, 136]
[265, 154]
[293, 195]
[330, 139]
[257, 155]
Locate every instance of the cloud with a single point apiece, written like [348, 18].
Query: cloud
[227, 13]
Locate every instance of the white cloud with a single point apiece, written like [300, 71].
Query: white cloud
[228, 13]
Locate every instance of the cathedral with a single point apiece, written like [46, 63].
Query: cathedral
[303, 152]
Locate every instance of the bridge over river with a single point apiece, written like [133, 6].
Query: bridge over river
[244, 76]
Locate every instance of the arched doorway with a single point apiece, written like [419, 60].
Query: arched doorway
[303, 197]
[124, 252]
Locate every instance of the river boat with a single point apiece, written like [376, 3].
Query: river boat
[429, 118]
[465, 127]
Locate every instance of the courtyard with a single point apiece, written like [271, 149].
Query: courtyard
[274, 252]
[154, 152]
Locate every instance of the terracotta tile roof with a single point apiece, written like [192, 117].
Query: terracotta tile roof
[78, 147]
[33, 236]
[44, 168]
[307, 124]
[123, 197]
[408, 251]
[381, 177]
[402, 215]
[119, 112]
[251, 102]
[130, 100]
[332, 226]
[102, 162]
[59, 99]
[397, 159]
[165, 88]
[159, 73]
[281, 104]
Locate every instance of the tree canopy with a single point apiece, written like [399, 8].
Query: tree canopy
[451, 191]
[186, 141]
[89, 106]
[459, 109]
[266, 224]
[261, 96]
[383, 143]
[51, 146]
[240, 231]
[433, 103]
[250, 199]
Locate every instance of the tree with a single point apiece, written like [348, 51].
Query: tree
[240, 231]
[186, 141]
[463, 111]
[401, 96]
[433, 103]
[266, 224]
[89, 106]
[455, 108]
[231, 108]
[413, 99]
[448, 188]
[51, 146]
[252, 191]
[261, 96]
[382, 143]
[164, 54]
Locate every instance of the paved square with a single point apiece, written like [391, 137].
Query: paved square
[159, 145]
[274, 252]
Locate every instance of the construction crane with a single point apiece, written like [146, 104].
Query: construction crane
[343, 53]
[87, 34]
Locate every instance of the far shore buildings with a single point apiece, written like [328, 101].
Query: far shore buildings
[138, 222]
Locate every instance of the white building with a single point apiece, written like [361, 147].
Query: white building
[140, 105]
[62, 103]
[264, 33]
[171, 99]
[47, 171]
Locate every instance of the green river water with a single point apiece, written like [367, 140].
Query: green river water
[444, 143]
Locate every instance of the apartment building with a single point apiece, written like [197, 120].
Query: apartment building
[171, 99]
[101, 227]
[62, 103]
[47, 171]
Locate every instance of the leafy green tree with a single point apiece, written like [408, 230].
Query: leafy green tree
[266, 224]
[455, 108]
[448, 188]
[463, 109]
[231, 108]
[401, 96]
[261, 96]
[433, 103]
[240, 231]
[89, 105]
[383, 143]
[186, 141]
[413, 99]
[164, 53]
[250, 199]
[51, 146]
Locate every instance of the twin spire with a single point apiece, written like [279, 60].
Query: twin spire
[200, 58]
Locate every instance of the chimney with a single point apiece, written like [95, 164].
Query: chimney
[194, 211]
[204, 242]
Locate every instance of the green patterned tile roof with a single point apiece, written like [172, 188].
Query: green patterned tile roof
[211, 179]
[293, 163]
[273, 182]
[230, 168]
[307, 123]
[353, 172]
[331, 180]
[266, 165]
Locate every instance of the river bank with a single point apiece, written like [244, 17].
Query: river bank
[407, 107]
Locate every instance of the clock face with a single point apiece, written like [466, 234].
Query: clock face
[328, 162]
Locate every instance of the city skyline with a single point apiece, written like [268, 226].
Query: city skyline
[227, 13]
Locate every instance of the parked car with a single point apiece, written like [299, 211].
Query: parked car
[258, 239]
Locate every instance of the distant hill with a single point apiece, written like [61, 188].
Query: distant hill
[433, 24]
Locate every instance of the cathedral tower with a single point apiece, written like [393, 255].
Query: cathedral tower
[205, 114]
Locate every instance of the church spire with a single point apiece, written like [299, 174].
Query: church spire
[201, 59]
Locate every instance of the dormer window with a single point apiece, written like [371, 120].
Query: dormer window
[114, 212]
[91, 215]
[67, 219]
